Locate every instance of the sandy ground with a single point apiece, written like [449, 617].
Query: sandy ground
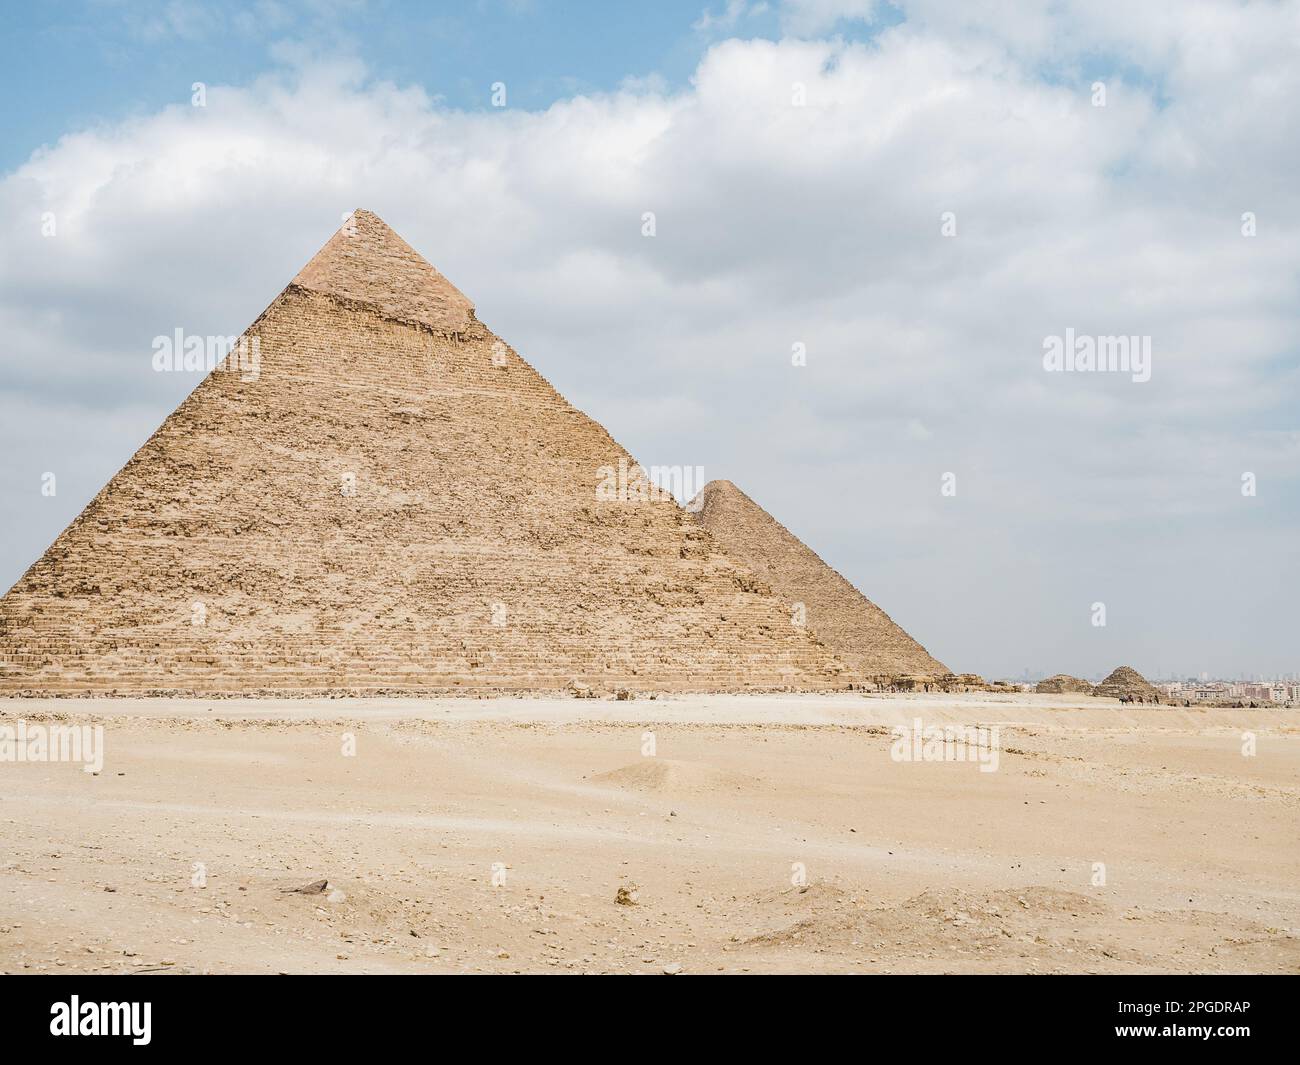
[177, 856]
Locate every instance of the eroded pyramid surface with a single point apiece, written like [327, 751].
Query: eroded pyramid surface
[397, 503]
[1127, 681]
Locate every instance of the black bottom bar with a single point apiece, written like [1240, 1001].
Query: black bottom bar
[341, 1013]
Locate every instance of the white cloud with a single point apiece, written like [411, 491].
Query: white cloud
[724, 19]
[811, 18]
[776, 224]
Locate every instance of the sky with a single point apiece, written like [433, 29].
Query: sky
[919, 196]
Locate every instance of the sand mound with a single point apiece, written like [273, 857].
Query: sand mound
[1062, 683]
[669, 776]
[948, 922]
[1030, 901]
[822, 913]
[816, 895]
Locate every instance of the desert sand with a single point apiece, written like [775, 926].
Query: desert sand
[177, 856]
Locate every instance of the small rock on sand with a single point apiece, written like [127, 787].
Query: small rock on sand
[314, 888]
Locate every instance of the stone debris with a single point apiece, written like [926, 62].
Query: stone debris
[316, 887]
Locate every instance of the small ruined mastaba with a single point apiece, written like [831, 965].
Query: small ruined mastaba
[395, 502]
[849, 623]
[1061, 684]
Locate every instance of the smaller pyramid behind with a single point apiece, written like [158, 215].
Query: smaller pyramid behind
[854, 628]
[1127, 681]
[1061, 684]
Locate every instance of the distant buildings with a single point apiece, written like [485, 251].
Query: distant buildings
[1280, 693]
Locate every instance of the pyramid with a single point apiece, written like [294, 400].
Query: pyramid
[1125, 680]
[852, 626]
[394, 503]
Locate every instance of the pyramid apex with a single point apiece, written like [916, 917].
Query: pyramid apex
[720, 489]
[366, 261]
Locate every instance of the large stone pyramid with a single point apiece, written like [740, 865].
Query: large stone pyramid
[852, 626]
[395, 502]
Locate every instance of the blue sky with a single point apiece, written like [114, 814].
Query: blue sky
[817, 224]
[69, 64]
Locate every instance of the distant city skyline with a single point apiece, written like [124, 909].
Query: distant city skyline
[1154, 677]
